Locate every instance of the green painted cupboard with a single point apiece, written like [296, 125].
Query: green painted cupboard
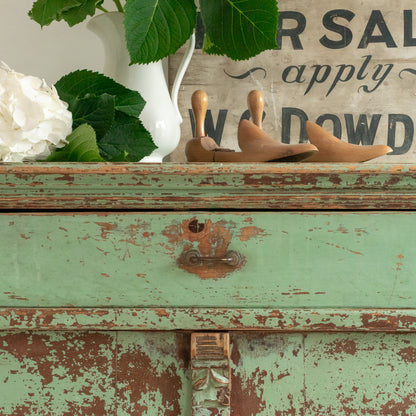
[207, 289]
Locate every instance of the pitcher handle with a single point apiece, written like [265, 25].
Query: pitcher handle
[190, 46]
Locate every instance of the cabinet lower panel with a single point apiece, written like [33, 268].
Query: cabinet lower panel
[148, 373]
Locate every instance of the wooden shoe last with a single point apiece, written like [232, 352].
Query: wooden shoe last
[256, 147]
[332, 149]
[201, 148]
[251, 137]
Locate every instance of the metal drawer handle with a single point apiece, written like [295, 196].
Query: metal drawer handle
[194, 258]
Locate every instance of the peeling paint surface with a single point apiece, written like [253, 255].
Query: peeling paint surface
[368, 374]
[323, 374]
[153, 374]
[97, 309]
[197, 319]
[57, 373]
[94, 373]
[128, 373]
[305, 259]
[267, 374]
[207, 186]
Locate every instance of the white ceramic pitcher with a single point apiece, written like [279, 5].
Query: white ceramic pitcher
[161, 115]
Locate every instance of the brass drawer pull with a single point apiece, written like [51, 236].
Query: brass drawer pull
[194, 258]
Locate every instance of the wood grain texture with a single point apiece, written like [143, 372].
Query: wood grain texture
[265, 186]
[208, 319]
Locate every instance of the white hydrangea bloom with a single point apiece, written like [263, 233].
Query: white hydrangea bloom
[33, 120]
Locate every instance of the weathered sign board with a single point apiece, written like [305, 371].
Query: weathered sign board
[347, 65]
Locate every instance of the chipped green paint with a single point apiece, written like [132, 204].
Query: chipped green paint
[323, 374]
[57, 373]
[311, 260]
[148, 373]
[212, 319]
[267, 374]
[97, 307]
[207, 186]
[153, 376]
[369, 374]
[94, 373]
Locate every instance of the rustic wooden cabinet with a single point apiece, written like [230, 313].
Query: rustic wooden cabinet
[207, 289]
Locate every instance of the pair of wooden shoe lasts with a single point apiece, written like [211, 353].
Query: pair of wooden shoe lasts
[257, 146]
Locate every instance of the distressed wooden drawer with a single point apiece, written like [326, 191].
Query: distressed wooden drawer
[288, 259]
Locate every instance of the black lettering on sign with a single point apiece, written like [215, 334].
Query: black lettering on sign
[409, 70]
[317, 76]
[337, 128]
[408, 133]
[341, 77]
[298, 69]
[211, 131]
[247, 73]
[360, 74]
[287, 113]
[292, 33]
[409, 40]
[378, 76]
[362, 133]
[377, 19]
[338, 74]
[329, 23]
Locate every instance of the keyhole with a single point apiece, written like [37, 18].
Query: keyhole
[196, 227]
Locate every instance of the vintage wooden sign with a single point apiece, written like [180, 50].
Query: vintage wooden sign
[349, 66]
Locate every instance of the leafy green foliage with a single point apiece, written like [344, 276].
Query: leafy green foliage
[78, 14]
[210, 47]
[157, 28]
[239, 29]
[120, 142]
[81, 147]
[97, 111]
[79, 84]
[72, 11]
[111, 110]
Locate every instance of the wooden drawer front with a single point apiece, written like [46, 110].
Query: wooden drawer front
[148, 374]
[132, 259]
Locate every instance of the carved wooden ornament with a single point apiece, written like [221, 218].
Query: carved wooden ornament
[211, 377]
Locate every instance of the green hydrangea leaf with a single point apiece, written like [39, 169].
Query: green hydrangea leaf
[127, 140]
[78, 84]
[112, 110]
[81, 147]
[77, 15]
[130, 102]
[45, 12]
[240, 28]
[98, 112]
[210, 48]
[157, 28]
